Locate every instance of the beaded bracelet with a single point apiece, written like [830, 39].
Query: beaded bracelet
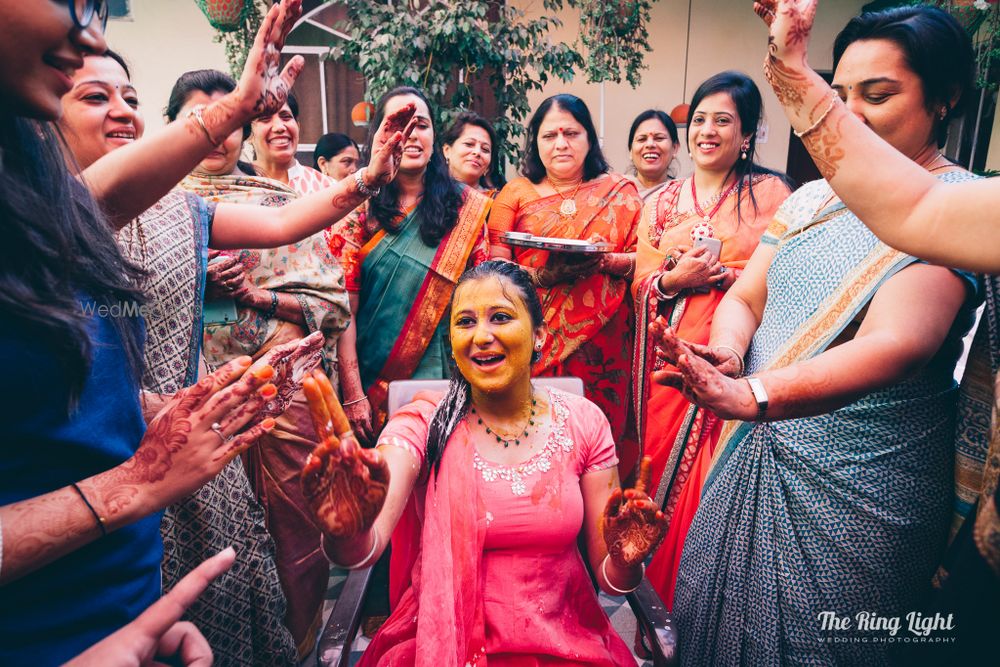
[604, 571]
[819, 121]
[196, 113]
[269, 313]
[97, 517]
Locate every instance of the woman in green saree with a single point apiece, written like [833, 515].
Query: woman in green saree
[402, 253]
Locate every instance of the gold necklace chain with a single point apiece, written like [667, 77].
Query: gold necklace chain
[568, 206]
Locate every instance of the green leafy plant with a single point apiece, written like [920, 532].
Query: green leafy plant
[614, 37]
[444, 46]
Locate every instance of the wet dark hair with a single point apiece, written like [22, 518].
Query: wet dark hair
[438, 208]
[208, 81]
[455, 404]
[531, 163]
[492, 178]
[330, 145]
[58, 250]
[935, 47]
[661, 116]
[750, 107]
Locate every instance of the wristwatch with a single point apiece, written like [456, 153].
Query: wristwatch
[760, 395]
[362, 187]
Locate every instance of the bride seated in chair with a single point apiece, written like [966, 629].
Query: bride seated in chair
[484, 492]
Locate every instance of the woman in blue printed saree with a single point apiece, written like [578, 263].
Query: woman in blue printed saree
[831, 489]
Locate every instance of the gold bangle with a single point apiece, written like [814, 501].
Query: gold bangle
[739, 357]
[604, 571]
[819, 121]
[356, 400]
[196, 113]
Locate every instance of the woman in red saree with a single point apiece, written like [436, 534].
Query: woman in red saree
[731, 199]
[567, 191]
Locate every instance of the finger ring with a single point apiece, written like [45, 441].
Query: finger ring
[217, 427]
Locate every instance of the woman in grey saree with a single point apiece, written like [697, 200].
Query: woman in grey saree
[831, 493]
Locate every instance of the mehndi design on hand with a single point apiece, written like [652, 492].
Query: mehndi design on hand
[634, 529]
[344, 484]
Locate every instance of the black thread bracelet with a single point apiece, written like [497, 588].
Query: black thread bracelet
[269, 313]
[97, 517]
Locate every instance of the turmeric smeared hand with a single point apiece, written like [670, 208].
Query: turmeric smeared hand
[633, 529]
[344, 484]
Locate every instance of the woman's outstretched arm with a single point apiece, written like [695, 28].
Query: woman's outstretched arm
[903, 204]
[128, 181]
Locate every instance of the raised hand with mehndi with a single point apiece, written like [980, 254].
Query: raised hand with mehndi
[790, 23]
[387, 147]
[632, 526]
[263, 86]
[344, 484]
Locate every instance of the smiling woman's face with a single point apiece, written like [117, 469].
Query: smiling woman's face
[419, 146]
[101, 112]
[40, 48]
[492, 336]
[275, 138]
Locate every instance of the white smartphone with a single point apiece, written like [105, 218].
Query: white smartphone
[714, 245]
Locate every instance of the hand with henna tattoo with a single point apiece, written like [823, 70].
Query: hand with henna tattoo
[633, 529]
[181, 450]
[344, 484]
[669, 348]
[387, 146]
[199, 431]
[696, 267]
[292, 362]
[264, 86]
[706, 387]
[790, 23]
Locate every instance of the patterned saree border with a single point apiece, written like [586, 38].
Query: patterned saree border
[432, 299]
[822, 328]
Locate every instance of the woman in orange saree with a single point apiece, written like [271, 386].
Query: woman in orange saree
[678, 277]
[566, 191]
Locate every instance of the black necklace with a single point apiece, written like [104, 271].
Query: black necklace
[516, 438]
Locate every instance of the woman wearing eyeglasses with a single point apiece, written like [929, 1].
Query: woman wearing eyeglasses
[82, 481]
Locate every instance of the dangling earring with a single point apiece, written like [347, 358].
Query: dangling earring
[744, 148]
[944, 112]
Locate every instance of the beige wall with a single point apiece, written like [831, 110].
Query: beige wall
[164, 39]
[725, 34]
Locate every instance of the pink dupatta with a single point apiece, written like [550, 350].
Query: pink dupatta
[438, 621]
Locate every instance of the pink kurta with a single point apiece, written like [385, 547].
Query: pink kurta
[538, 603]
